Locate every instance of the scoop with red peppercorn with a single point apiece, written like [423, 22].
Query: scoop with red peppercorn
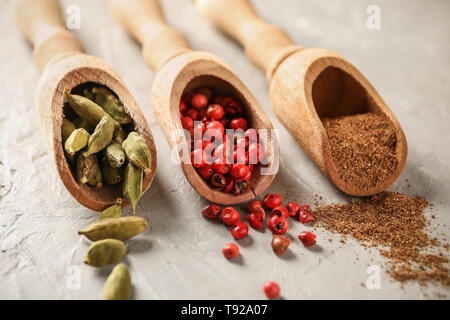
[217, 114]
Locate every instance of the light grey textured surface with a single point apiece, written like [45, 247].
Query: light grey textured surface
[179, 255]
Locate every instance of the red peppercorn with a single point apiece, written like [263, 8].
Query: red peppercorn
[187, 97]
[240, 156]
[187, 123]
[218, 181]
[230, 184]
[272, 200]
[192, 113]
[271, 289]
[307, 208]
[230, 216]
[221, 167]
[215, 112]
[240, 186]
[199, 101]
[206, 172]
[183, 106]
[239, 230]
[227, 100]
[307, 238]
[211, 211]
[304, 216]
[239, 170]
[214, 129]
[278, 225]
[206, 91]
[252, 205]
[280, 244]
[251, 136]
[232, 108]
[198, 158]
[238, 123]
[256, 219]
[230, 250]
[280, 211]
[218, 99]
[293, 208]
[255, 153]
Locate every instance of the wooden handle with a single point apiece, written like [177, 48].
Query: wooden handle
[145, 21]
[264, 44]
[42, 23]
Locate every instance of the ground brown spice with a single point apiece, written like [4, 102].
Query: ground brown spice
[397, 224]
[362, 147]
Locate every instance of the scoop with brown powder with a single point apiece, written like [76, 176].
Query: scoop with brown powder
[396, 224]
[362, 148]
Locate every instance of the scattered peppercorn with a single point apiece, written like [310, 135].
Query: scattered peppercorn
[239, 230]
[212, 211]
[230, 216]
[271, 289]
[293, 208]
[230, 250]
[272, 200]
[280, 211]
[280, 244]
[278, 225]
[307, 238]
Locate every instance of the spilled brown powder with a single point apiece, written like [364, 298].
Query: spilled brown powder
[362, 147]
[397, 223]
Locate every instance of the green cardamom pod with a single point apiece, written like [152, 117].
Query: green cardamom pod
[132, 185]
[104, 252]
[137, 151]
[110, 174]
[85, 108]
[114, 155]
[77, 140]
[67, 128]
[114, 211]
[81, 123]
[101, 137]
[118, 135]
[122, 228]
[88, 94]
[86, 168]
[106, 99]
[118, 285]
[97, 179]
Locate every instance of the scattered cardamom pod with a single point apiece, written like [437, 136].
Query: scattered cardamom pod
[81, 123]
[101, 137]
[132, 185]
[114, 211]
[106, 99]
[121, 228]
[67, 128]
[137, 151]
[77, 140]
[114, 155]
[118, 285]
[104, 252]
[85, 108]
[111, 175]
[86, 168]
[118, 135]
[97, 179]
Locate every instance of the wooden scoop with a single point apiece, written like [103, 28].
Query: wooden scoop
[306, 85]
[180, 70]
[60, 58]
